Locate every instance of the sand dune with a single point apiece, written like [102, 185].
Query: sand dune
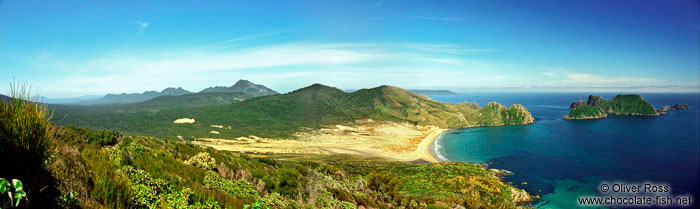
[398, 141]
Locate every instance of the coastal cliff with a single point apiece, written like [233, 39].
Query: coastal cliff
[597, 107]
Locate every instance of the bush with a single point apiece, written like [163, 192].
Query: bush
[288, 182]
[268, 161]
[26, 141]
[202, 160]
[240, 188]
[384, 183]
[81, 135]
[106, 184]
[328, 169]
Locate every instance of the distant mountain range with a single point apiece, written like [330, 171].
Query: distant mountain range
[243, 86]
[70, 100]
[281, 115]
[125, 98]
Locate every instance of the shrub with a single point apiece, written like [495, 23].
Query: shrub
[328, 169]
[202, 160]
[106, 184]
[81, 135]
[288, 182]
[244, 156]
[240, 188]
[268, 161]
[384, 183]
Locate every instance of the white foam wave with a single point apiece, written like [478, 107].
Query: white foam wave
[437, 146]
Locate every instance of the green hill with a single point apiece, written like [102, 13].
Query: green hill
[192, 100]
[314, 106]
[597, 107]
[74, 167]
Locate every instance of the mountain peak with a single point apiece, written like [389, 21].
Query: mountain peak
[243, 86]
[174, 91]
[243, 82]
[317, 87]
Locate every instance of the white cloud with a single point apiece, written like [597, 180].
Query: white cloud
[583, 78]
[199, 66]
[142, 25]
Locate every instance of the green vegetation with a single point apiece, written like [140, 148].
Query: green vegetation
[630, 105]
[26, 143]
[84, 168]
[597, 107]
[282, 115]
[586, 112]
[15, 192]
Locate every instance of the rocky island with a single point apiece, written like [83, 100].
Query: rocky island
[666, 108]
[597, 107]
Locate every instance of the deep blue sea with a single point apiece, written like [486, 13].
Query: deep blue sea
[561, 160]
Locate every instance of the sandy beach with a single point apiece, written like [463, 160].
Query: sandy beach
[395, 141]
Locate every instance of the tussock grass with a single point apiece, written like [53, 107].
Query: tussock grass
[26, 142]
[24, 127]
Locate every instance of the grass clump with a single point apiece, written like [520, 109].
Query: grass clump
[26, 144]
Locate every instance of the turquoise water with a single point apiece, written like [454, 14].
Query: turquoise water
[561, 160]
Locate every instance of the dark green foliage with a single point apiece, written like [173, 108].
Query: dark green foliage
[630, 105]
[288, 184]
[586, 112]
[268, 161]
[81, 135]
[496, 114]
[244, 156]
[188, 101]
[385, 183]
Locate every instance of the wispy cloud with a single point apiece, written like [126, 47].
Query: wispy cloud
[435, 18]
[583, 78]
[142, 25]
[135, 70]
[444, 48]
[379, 3]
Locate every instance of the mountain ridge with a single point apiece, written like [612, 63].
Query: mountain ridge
[314, 106]
[244, 86]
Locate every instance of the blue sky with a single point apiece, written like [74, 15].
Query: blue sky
[72, 48]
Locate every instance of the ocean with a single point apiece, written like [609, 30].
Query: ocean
[562, 160]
